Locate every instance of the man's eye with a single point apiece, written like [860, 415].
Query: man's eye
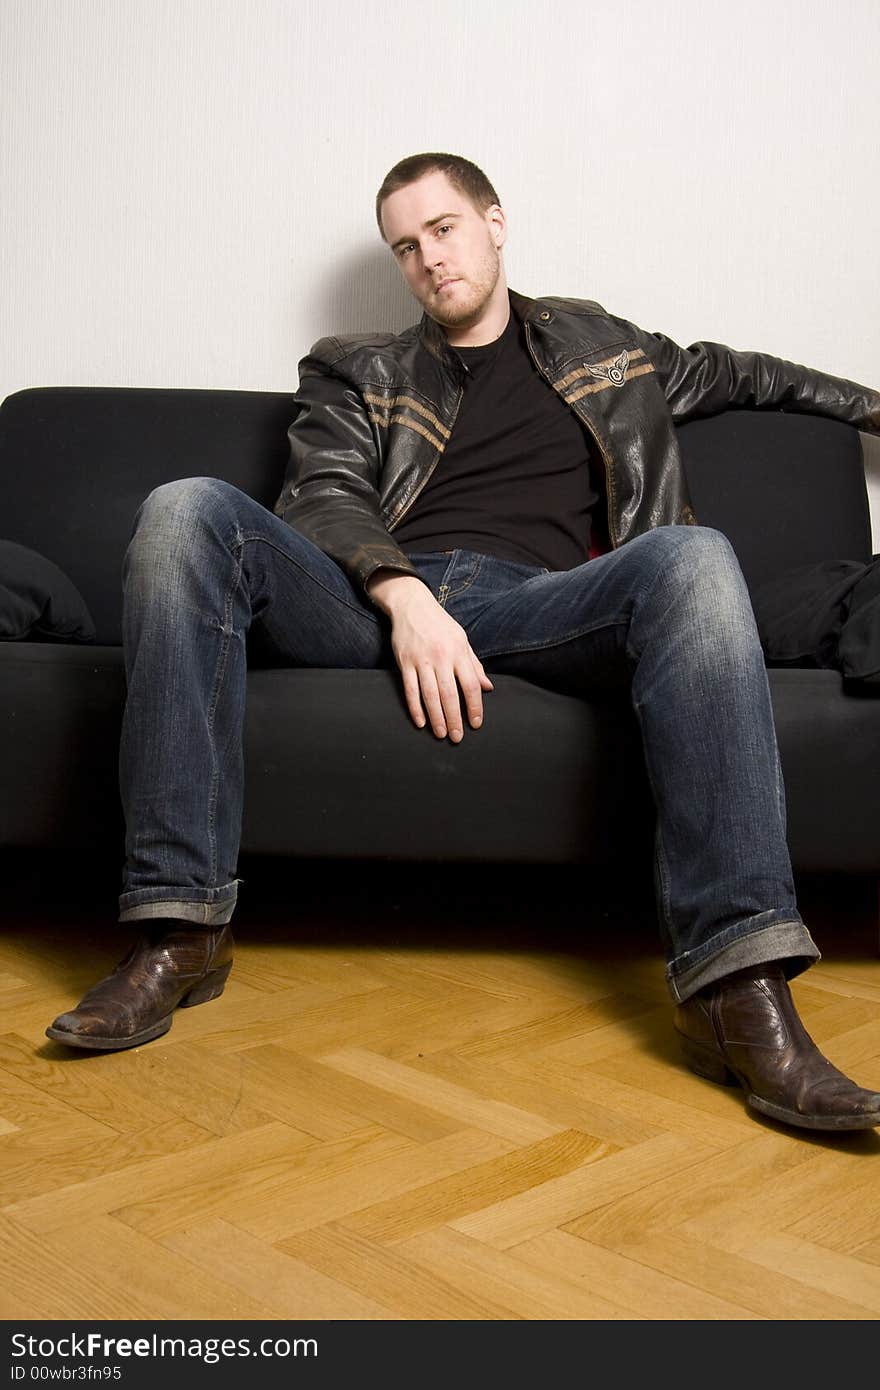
[445, 227]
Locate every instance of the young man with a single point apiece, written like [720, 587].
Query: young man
[497, 489]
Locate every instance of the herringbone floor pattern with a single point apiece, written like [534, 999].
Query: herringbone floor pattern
[425, 1094]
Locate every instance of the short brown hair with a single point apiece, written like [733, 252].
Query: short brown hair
[461, 173]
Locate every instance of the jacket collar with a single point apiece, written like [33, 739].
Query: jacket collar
[435, 340]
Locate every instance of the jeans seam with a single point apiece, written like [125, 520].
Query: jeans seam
[509, 649]
[224, 892]
[247, 537]
[465, 584]
[664, 896]
[732, 935]
[219, 675]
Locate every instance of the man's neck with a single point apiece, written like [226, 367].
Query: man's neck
[490, 325]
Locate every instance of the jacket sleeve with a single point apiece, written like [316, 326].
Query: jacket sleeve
[331, 491]
[706, 378]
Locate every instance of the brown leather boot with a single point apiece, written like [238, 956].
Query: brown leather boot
[173, 964]
[744, 1029]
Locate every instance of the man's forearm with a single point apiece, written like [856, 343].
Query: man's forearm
[708, 377]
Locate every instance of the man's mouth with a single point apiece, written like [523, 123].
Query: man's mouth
[444, 284]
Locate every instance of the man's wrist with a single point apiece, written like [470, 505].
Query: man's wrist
[387, 588]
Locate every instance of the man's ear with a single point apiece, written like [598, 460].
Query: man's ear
[497, 224]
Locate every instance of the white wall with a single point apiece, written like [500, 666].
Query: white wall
[186, 186]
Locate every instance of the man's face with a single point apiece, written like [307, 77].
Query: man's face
[448, 251]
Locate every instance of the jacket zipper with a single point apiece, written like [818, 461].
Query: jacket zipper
[606, 463]
[392, 525]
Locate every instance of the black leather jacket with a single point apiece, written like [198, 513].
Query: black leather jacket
[375, 412]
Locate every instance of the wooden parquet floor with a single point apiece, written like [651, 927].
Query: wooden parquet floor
[426, 1093]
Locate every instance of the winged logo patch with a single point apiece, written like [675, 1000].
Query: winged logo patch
[615, 374]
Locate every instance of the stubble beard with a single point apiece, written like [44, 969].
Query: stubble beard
[467, 308]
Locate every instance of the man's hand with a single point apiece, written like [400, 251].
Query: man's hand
[433, 654]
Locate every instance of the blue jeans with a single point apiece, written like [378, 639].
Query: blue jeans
[665, 620]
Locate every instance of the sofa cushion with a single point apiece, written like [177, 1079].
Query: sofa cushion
[786, 489]
[38, 600]
[76, 462]
[825, 615]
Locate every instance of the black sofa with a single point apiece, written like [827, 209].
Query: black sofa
[334, 766]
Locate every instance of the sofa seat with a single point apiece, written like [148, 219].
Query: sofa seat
[334, 766]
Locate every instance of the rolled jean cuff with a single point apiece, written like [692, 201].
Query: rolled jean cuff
[212, 907]
[757, 942]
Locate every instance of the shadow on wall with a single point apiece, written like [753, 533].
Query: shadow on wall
[362, 293]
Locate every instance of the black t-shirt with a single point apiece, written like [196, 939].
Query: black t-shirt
[516, 479]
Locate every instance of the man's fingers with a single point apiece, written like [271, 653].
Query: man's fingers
[485, 682]
[449, 696]
[473, 682]
[432, 700]
[442, 691]
[413, 696]
[472, 688]
[422, 695]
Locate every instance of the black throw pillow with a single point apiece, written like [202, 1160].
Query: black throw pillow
[38, 601]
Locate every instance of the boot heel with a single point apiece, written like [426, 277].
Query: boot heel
[705, 1061]
[211, 987]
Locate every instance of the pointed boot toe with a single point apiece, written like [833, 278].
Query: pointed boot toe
[172, 966]
[745, 1030]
